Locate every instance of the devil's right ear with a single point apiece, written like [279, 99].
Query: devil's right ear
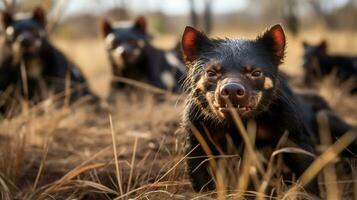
[7, 19]
[192, 43]
[105, 27]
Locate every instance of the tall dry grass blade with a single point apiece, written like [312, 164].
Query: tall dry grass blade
[58, 10]
[170, 195]
[246, 166]
[329, 172]
[295, 193]
[67, 89]
[330, 154]
[162, 177]
[142, 85]
[42, 165]
[245, 136]
[355, 185]
[145, 187]
[5, 192]
[25, 87]
[60, 185]
[116, 156]
[219, 149]
[132, 164]
[100, 187]
[155, 157]
[220, 186]
[269, 172]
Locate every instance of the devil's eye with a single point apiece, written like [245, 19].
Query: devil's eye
[257, 73]
[211, 73]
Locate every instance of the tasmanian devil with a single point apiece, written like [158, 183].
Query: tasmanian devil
[317, 64]
[132, 56]
[28, 56]
[242, 76]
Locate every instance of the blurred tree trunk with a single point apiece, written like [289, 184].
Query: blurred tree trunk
[290, 16]
[124, 10]
[193, 14]
[9, 5]
[208, 16]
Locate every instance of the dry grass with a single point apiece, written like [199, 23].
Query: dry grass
[134, 149]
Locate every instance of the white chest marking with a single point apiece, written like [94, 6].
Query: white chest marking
[268, 83]
[168, 79]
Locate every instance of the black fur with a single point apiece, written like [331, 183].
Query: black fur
[26, 46]
[132, 56]
[215, 63]
[319, 64]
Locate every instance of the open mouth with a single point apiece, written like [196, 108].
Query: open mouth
[227, 109]
[32, 49]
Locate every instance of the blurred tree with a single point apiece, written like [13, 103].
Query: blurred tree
[343, 17]
[206, 19]
[9, 5]
[208, 16]
[124, 10]
[119, 12]
[290, 16]
[193, 14]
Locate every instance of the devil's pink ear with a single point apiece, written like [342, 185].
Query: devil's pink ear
[39, 15]
[6, 19]
[105, 27]
[192, 42]
[140, 24]
[274, 40]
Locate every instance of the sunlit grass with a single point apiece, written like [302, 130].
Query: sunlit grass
[77, 152]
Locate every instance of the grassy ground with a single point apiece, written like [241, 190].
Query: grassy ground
[134, 148]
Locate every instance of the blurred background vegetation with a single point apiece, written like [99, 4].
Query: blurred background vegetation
[80, 18]
[69, 139]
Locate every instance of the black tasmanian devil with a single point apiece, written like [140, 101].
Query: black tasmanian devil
[132, 56]
[28, 55]
[318, 64]
[242, 76]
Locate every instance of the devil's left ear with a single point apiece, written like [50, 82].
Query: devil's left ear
[39, 15]
[140, 24]
[193, 42]
[305, 44]
[274, 40]
[6, 19]
[105, 27]
[323, 45]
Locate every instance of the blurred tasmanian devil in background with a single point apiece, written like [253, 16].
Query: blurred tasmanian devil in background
[31, 67]
[235, 76]
[319, 64]
[132, 56]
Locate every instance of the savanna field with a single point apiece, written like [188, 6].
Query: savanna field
[132, 147]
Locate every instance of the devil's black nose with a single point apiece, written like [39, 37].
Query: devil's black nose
[233, 91]
[26, 42]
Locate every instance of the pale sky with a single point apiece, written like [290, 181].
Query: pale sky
[169, 7]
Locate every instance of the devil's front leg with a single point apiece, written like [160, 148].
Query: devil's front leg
[298, 162]
[198, 165]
